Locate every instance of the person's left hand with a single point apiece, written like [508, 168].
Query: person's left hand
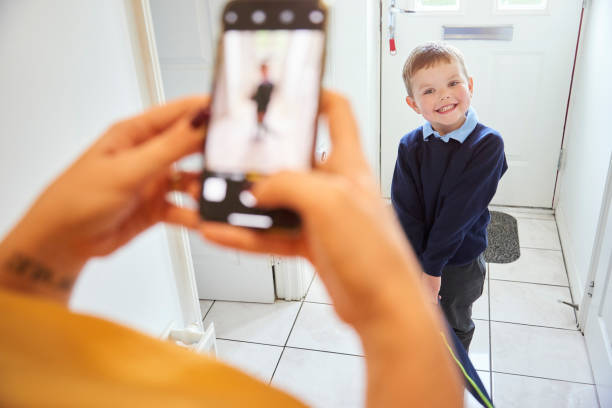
[431, 286]
[119, 187]
[114, 191]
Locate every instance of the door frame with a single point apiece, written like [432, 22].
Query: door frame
[562, 154]
[600, 274]
[292, 277]
[146, 63]
[596, 254]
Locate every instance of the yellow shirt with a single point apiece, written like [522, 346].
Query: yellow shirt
[50, 356]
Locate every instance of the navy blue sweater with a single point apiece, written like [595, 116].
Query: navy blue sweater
[441, 191]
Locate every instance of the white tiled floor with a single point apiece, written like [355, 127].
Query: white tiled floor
[526, 345]
[480, 348]
[253, 322]
[256, 359]
[322, 379]
[318, 328]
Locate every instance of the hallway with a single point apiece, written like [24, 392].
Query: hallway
[526, 347]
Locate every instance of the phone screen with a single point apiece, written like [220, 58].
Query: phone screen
[264, 108]
[266, 98]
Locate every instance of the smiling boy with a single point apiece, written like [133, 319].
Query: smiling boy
[446, 174]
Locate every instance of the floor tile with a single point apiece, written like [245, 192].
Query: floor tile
[322, 379]
[317, 292]
[540, 234]
[205, 306]
[529, 303]
[256, 359]
[540, 352]
[535, 266]
[318, 328]
[254, 322]
[518, 391]
[479, 348]
[480, 308]
[468, 400]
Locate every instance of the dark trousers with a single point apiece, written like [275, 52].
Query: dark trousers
[461, 287]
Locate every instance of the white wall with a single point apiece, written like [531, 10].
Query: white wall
[67, 72]
[353, 57]
[588, 144]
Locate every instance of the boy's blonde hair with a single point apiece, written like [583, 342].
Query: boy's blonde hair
[427, 55]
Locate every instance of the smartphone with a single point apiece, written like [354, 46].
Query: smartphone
[265, 100]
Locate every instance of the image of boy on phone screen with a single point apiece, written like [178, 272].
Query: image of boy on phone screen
[262, 98]
[265, 99]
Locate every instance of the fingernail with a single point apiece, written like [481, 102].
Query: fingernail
[200, 118]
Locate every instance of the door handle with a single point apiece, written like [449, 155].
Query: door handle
[393, 11]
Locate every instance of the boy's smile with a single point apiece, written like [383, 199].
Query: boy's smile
[442, 94]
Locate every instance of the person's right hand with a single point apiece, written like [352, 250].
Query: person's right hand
[363, 258]
[348, 233]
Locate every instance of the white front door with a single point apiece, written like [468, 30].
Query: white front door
[521, 85]
[598, 326]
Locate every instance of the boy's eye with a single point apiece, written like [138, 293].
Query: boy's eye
[453, 83]
[427, 91]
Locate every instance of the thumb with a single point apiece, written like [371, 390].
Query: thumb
[297, 191]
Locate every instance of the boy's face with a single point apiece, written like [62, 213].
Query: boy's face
[442, 94]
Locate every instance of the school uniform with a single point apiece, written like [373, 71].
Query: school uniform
[441, 189]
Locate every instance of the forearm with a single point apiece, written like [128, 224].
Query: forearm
[408, 363]
[35, 260]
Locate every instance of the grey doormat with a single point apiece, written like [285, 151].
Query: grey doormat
[503, 239]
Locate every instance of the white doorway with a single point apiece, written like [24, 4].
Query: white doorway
[521, 86]
[597, 314]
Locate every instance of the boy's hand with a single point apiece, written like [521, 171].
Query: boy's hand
[431, 285]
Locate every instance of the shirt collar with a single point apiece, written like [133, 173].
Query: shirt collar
[471, 120]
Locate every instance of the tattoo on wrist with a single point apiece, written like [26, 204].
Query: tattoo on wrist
[28, 268]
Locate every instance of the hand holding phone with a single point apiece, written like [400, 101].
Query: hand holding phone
[265, 104]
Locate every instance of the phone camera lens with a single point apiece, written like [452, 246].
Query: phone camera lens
[215, 189]
[316, 17]
[258, 17]
[286, 16]
[231, 17]
[247, 199]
